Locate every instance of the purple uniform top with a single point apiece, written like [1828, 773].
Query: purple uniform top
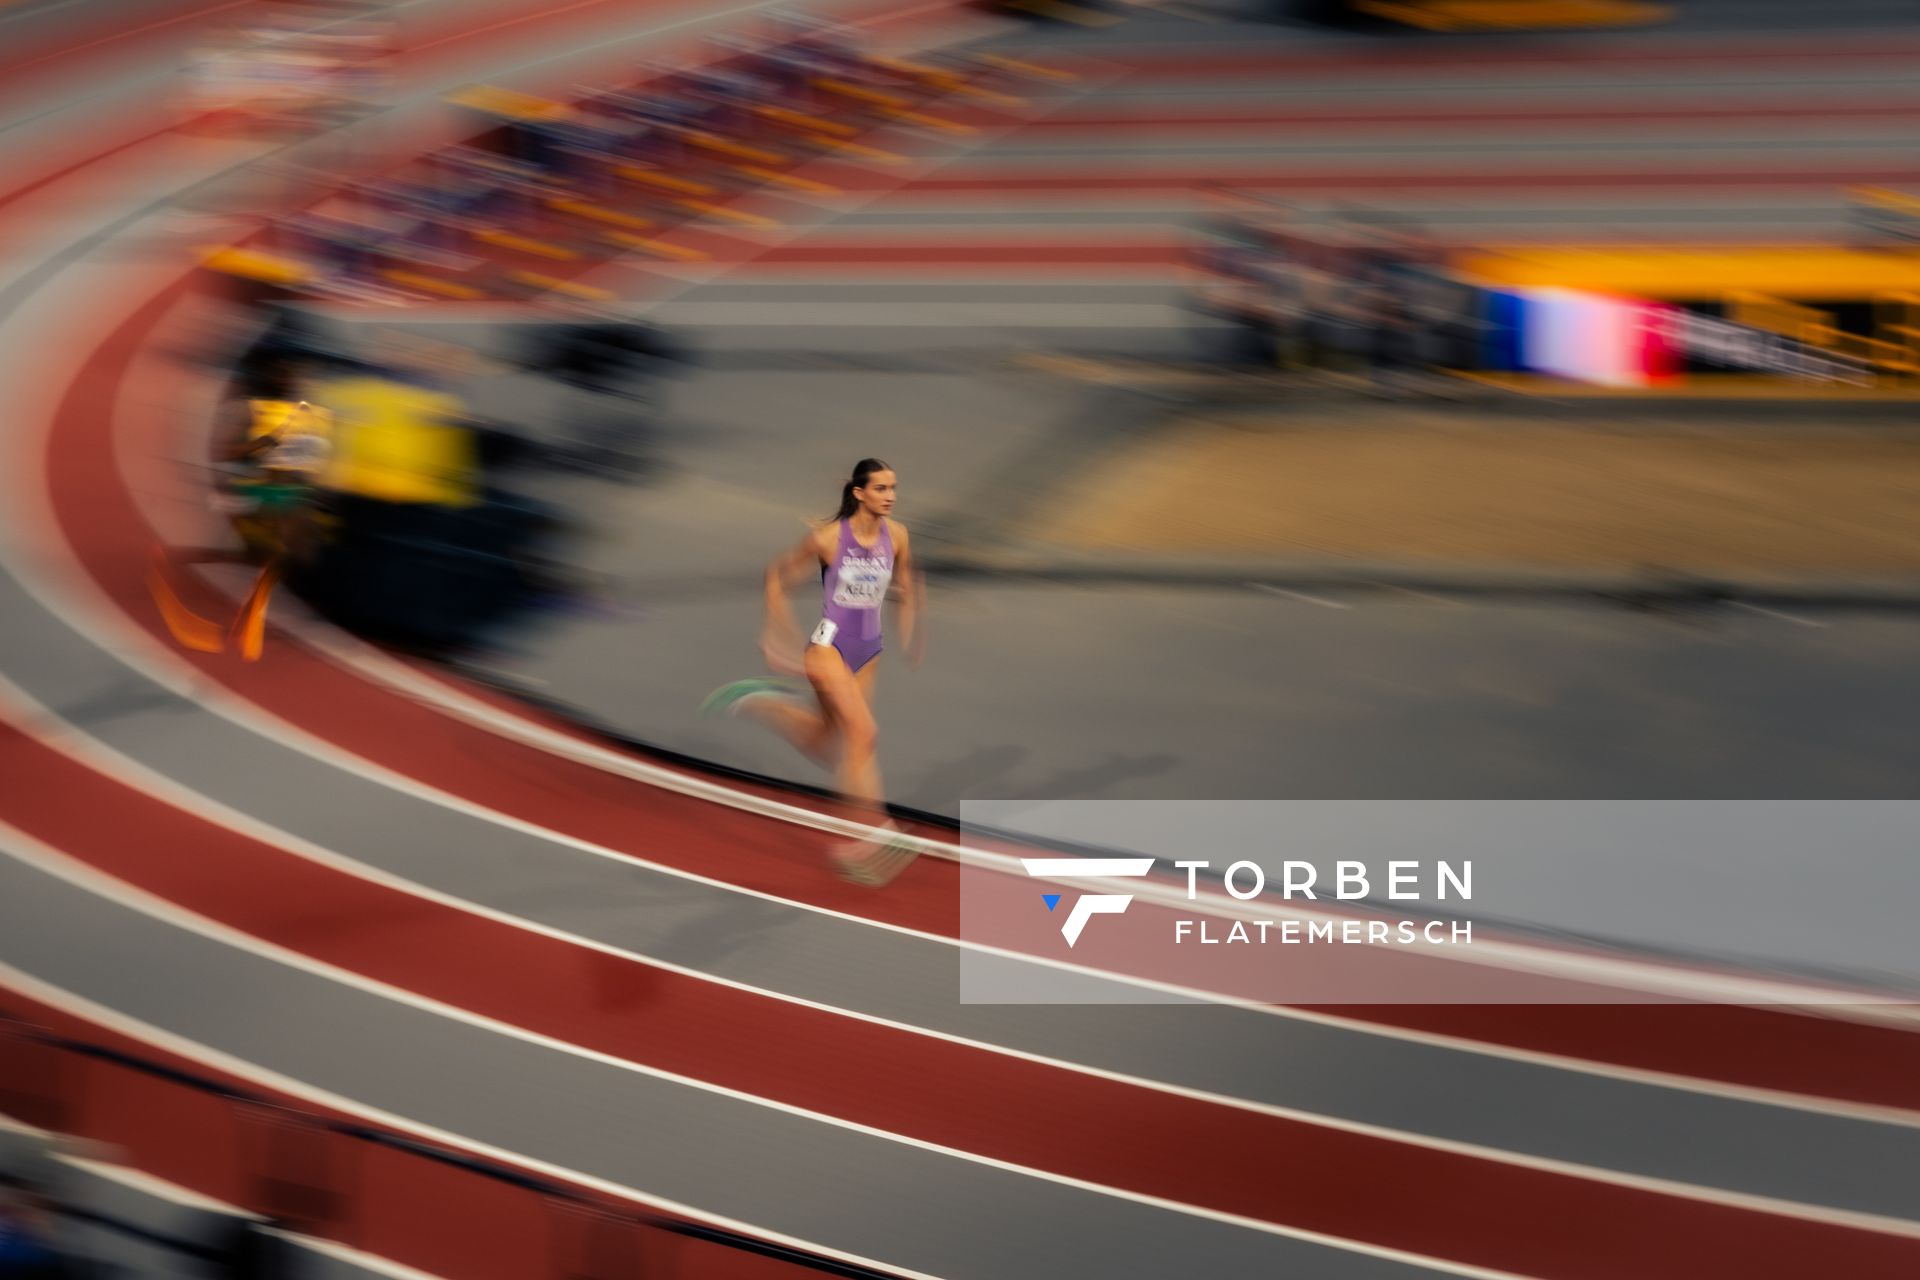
[855, 585]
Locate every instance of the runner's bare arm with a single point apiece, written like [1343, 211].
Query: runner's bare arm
[780, 642]
[911, 599]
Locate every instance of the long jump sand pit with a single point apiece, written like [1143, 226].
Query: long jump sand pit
[1397, 485]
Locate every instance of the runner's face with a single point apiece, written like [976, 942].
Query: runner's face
[878, 496]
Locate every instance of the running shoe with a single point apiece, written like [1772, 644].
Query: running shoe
[725, 700]
[873, 863]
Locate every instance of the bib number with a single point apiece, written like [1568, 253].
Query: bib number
[825, 632]
[862, 583]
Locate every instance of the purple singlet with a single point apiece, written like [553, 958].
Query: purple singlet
[855, 586]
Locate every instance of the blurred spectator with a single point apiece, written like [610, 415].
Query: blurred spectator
[1237, 257]
[1364, 294]
[28, 1246]
[611, 366]
[425, 550]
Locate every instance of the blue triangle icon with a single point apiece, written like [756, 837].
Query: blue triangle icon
[1051, 899]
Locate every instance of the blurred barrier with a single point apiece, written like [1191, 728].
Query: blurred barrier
[1362, 291]
[331, 1179]
[1657, 313]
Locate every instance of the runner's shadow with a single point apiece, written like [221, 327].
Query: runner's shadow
[122, 697]
[981, 773]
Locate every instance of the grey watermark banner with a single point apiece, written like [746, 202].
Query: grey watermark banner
[1774, 902]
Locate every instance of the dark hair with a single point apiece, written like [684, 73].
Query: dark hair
[862, 472]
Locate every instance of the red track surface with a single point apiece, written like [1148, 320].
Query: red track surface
[1307, 1175]
[1258, 1166]
[99, 520]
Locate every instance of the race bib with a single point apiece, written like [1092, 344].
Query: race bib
[825, 632]
[862, 582]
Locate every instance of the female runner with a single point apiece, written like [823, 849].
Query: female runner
[860, 555]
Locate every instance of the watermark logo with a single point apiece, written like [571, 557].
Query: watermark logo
[1087, 905]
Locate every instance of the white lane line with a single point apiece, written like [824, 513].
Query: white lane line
[261, 1077]
[34, 853]
[1778, 616]
[1696, 1086]
[105, 617]
[1302, 596]
[1620, 972]
[31, 852]
[46, 726]
[158, 1188]
[353, 1257]
[192, 685]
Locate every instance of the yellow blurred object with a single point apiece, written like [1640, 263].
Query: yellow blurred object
[596, 213]
[918, 70]
[508, 103]
[663, 181]
[272, 417]
[1896, 316]
[1884, 355]
[433, 284]
[252, 264]
[858, 93]
[801, 120]
[397, 442]
[1815, 272]
[1891, 354]
[932, 122]
[787, 180]
[1776, 315]
[524, 244]
[709, 210]
[734, 150]
[1493, 15]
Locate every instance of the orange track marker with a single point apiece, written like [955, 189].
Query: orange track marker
[192, 631]
[250, 625]
[432, 284]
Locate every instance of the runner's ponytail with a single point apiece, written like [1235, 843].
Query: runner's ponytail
[862, 472]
